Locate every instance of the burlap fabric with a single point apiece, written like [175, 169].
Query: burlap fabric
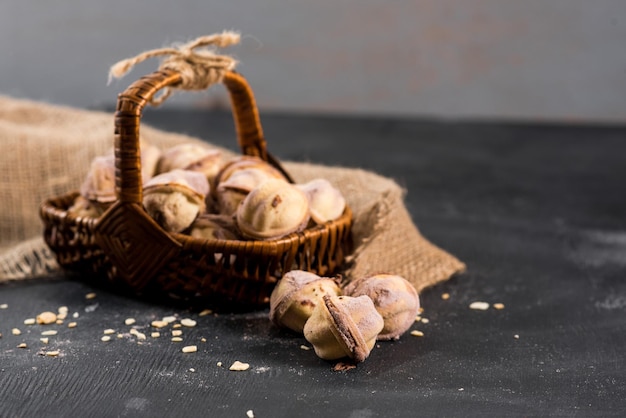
[47, 149]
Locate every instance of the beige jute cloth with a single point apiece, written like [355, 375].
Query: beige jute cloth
[47, 149]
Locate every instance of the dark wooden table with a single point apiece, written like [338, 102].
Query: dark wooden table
[537, 211]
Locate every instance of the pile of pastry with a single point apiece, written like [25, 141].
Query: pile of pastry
[344, 322]
[193, 189]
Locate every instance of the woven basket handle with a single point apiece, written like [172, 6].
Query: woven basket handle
[130, 104]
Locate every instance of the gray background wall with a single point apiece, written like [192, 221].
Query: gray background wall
[513, 59]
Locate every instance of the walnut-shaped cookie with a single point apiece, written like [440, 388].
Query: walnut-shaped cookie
[213, 226]
[237, 178]
[343, 326]
[191, 157]
[175, 199]
[326, 202]
[99, 184]
[272, 210]
[231, 191]
[295, 296]
[150, 157]
[85, 208]
[395, 299]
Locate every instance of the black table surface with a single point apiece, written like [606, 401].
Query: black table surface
[536, 210]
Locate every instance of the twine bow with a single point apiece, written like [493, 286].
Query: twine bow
[198, 68]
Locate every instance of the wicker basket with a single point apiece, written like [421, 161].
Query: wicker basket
[129, 249]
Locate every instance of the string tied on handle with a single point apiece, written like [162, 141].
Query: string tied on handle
[199, 68]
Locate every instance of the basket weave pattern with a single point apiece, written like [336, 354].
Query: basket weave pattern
[129, 248]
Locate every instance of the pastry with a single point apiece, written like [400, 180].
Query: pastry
[395, 299]
[272, 210]
[343, 326]
[325, 201]
[174, 199]
[295, 296]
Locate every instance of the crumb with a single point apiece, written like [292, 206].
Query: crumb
[425, 320]
[44, 340]
[155, 334]
[72, 325]
[445, 296]
[129, 321]
[106, 338]
[29, 321]
[417, 333]
[89, 296]
[176, 333]
[108, 331]
[4, 306]
[16, 331]
[62, 312]
[159, 324]
[22, 345]
[205, 312]
[91, 308]
[305, 348]
[177, 339]
[188, 322]
[498, 306]
[516, 336]
[342, 367]
[190, 349]
[239, 366]
[46, 318]
[169, 319]
[481, 306]
[52, 353]
[250, 413]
